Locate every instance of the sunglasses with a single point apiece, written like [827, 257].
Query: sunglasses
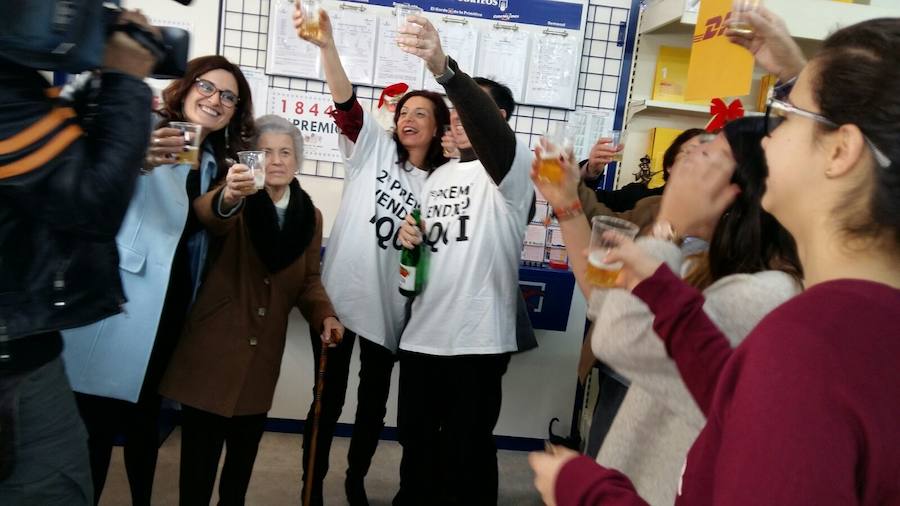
[778, 110]
[208, 89]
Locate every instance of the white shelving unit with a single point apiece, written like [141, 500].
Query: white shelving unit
[664, 23]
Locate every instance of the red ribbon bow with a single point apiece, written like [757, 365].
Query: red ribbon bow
[722, 114]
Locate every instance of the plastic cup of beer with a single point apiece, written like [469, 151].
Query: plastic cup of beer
[739, 10]
[553, 146]
[404, 11]
[617, 138]
[256, 161]
[191, 133]
[310, 26]
[600, 274]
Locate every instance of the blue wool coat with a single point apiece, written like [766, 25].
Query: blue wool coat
[109, 358]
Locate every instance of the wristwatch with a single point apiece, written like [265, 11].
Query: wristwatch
[448, 73]
[664, 230]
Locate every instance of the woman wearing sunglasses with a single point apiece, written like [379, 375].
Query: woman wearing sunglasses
[115, 365]
[805, 410]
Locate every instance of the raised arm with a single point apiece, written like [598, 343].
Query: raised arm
[624, 337]
[699, 348]
[338, 83]
[216, 209]
[492, 139]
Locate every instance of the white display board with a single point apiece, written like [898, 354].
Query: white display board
[540, 64]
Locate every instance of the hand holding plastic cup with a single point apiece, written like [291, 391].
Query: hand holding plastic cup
[739, 9]
[191, 133]
[555, 143]
[601, 274]
[617, 142]
[256, 161]
[404, 11]
[310, 27]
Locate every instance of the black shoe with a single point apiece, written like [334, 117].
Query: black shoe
[356, 492]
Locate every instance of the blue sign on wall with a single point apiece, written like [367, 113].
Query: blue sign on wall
[549, 13]
[548, 296]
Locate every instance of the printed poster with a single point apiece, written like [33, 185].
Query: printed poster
[310, 113]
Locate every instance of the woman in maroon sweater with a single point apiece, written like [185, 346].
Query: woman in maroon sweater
[805, 411]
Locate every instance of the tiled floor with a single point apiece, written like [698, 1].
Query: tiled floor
[276, 476]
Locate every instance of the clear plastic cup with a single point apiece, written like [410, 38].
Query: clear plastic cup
[256, 161]
[191, 133]
[601, 274]
[310, 27]
[739, 10]
[404, 11]
[555, 143]
[618, 143]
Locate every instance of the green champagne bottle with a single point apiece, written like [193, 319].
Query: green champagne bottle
[412, 266]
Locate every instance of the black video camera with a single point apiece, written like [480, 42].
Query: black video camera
[69, 36]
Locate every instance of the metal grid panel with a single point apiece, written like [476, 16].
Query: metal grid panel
[245, 36]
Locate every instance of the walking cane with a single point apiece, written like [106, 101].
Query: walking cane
[317, 411]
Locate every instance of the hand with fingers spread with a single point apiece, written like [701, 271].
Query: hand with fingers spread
[325, 34]
[558, 194]
[420, 38]
[165, 144]
[238, 184]
[770, 43]
[410, 235]
[546, 467]
[332, 332]
[601, 154]
[699, 190]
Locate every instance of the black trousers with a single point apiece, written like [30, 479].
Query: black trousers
[612, 393]
[336, 375]
[448, 408]
[202, 437]
[104, 418]
[376, 366]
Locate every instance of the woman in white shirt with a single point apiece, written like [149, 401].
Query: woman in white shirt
[384, 173]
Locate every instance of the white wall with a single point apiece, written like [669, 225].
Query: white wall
[201, 18]
[326, 195]
[539, 384]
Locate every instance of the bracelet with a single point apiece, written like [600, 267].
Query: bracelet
[568, 212]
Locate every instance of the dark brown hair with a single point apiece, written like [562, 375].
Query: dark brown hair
[434, 158]
[236, 135]
[673, 149]
[857, 81]
[747, 239]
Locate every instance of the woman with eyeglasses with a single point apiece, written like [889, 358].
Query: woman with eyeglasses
[805, 410]
[115, 365]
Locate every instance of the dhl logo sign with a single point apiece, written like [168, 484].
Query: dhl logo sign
[715, 27]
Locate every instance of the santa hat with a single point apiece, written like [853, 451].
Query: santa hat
[384, 113]
[393, 91]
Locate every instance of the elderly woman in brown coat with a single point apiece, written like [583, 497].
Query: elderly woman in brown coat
[264, 262]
